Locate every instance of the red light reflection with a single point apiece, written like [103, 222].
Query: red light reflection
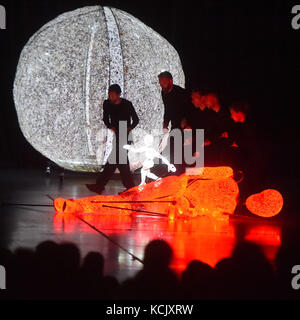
[202, 238]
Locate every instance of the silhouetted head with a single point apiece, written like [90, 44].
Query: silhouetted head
[223, 267]
[252, 275]
[46, 253]
[197, 272]
[114, 93]
[247, 252]
[197, 280]
[158, 254]
[249, 259]
[46, 248]
[166, 81]
[69, 257]
[93, 264]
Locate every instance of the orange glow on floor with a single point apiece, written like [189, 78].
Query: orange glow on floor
[201, 238]
[268, 236]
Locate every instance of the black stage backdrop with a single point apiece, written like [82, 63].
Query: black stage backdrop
[238, 49]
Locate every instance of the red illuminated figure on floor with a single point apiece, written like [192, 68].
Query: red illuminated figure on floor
[213, 192]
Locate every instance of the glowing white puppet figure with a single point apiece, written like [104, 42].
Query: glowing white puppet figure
[150, 154]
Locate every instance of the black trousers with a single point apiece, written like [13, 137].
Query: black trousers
[111, 166]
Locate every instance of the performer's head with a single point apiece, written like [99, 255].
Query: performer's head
[166, 81]
[239, 111]
[114, 93]
[212, 102]
[198, 99]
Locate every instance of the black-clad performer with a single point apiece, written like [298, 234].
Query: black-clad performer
[177, 107]
[116, 109]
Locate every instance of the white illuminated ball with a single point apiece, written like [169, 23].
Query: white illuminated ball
[63, 75]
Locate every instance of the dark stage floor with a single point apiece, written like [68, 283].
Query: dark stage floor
[119, 239]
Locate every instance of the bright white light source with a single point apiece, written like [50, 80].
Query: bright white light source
[63, 76]
[149, 153]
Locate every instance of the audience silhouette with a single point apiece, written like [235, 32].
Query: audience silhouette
[54, 271]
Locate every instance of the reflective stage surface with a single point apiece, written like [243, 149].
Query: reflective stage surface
[121, 239]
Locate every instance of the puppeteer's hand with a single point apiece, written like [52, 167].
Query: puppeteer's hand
[171, 167]
[127, 146]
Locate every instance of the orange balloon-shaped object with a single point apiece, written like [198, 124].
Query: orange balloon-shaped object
[267, 203]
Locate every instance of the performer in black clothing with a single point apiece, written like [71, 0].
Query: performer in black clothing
[116, 109]
[244, 152]
[241, 136]
[176, 103]
[207, 114]
[202, 117]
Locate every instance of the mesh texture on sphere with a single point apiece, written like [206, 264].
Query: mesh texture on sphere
[63, 75]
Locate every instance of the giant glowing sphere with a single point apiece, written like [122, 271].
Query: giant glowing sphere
[267, 203]
[63, 76]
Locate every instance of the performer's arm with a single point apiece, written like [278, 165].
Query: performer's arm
[106, 116]
[135, 118]
[166, 119]
[166, 115]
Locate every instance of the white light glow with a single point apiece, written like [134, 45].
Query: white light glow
[149, 153]
[63, 76]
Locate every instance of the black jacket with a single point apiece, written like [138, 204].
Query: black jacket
[124, 111]
[176, 105]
